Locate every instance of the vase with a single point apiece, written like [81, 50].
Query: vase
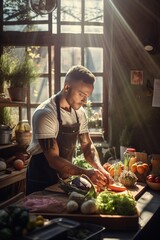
[17, 94]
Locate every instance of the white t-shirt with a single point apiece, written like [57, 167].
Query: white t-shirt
[45, 123]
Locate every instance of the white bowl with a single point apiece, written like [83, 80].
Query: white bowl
[153, 185]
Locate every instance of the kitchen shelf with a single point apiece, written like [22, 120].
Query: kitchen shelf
[12, 104]
[15, 176]
[8, 145]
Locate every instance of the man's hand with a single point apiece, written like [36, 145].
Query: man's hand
[98, 178]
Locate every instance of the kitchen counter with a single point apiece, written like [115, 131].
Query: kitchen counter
[148, 206]
[149, 209]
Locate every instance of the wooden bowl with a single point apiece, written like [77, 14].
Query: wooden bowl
[153, 185]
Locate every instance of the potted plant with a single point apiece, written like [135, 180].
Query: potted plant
[24, 73]
[7, 64]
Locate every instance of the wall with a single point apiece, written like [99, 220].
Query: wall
[132, 106]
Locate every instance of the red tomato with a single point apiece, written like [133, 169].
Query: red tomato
[151, 178]
[157, 179]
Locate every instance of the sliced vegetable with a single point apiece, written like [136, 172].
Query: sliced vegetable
[117, 187]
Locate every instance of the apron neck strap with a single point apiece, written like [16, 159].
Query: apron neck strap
[58, 110]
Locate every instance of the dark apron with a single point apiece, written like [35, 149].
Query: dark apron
[39, 174]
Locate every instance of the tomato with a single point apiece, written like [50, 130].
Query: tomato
[157, 179]
[151, 178]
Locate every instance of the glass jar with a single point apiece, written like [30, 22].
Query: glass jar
[23, 126]
[130, 152]
[23, 133]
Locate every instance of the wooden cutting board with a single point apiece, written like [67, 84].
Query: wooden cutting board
[136, 191]
[111, 222]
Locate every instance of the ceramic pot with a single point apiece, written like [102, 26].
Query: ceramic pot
[18, 94]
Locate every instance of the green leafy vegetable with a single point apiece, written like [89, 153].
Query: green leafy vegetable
[81, 162]
[116, 204]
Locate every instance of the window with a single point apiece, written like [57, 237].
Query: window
[70, 35]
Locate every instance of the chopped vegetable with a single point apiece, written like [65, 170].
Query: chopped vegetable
[117, 187]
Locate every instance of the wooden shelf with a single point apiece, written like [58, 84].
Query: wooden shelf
[15, 176]
[12, 104]
[8, 145]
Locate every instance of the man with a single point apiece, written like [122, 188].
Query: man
[57, 124]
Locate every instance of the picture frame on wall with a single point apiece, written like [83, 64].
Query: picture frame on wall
[137, 77]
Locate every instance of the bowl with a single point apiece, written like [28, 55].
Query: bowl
[153, 185]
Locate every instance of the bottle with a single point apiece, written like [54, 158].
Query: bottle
[130, 152]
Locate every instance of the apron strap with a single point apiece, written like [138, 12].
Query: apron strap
[58, 110]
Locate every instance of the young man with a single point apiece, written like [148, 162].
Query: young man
[57, 124]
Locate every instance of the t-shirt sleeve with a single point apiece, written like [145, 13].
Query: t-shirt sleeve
[83, 119]
[46, 124]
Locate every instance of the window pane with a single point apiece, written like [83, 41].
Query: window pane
[93, 29]
[71, 10]
[97, 95]
[90, 59]
[70, 56]
[26, 28]
[62, 83]
[24, 113]
[94, 10]
[39, 90]
[94, 116]
[21, 12]
[54, 21]
[43, 59]
[70, 29]
[9, 116]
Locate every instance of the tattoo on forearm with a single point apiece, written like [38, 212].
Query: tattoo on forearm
[46, 144]
[69, 170]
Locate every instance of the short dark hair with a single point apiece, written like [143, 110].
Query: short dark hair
[80, 72]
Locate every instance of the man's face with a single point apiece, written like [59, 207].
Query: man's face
[77, 93]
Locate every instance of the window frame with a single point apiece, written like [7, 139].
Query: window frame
[57, 41]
